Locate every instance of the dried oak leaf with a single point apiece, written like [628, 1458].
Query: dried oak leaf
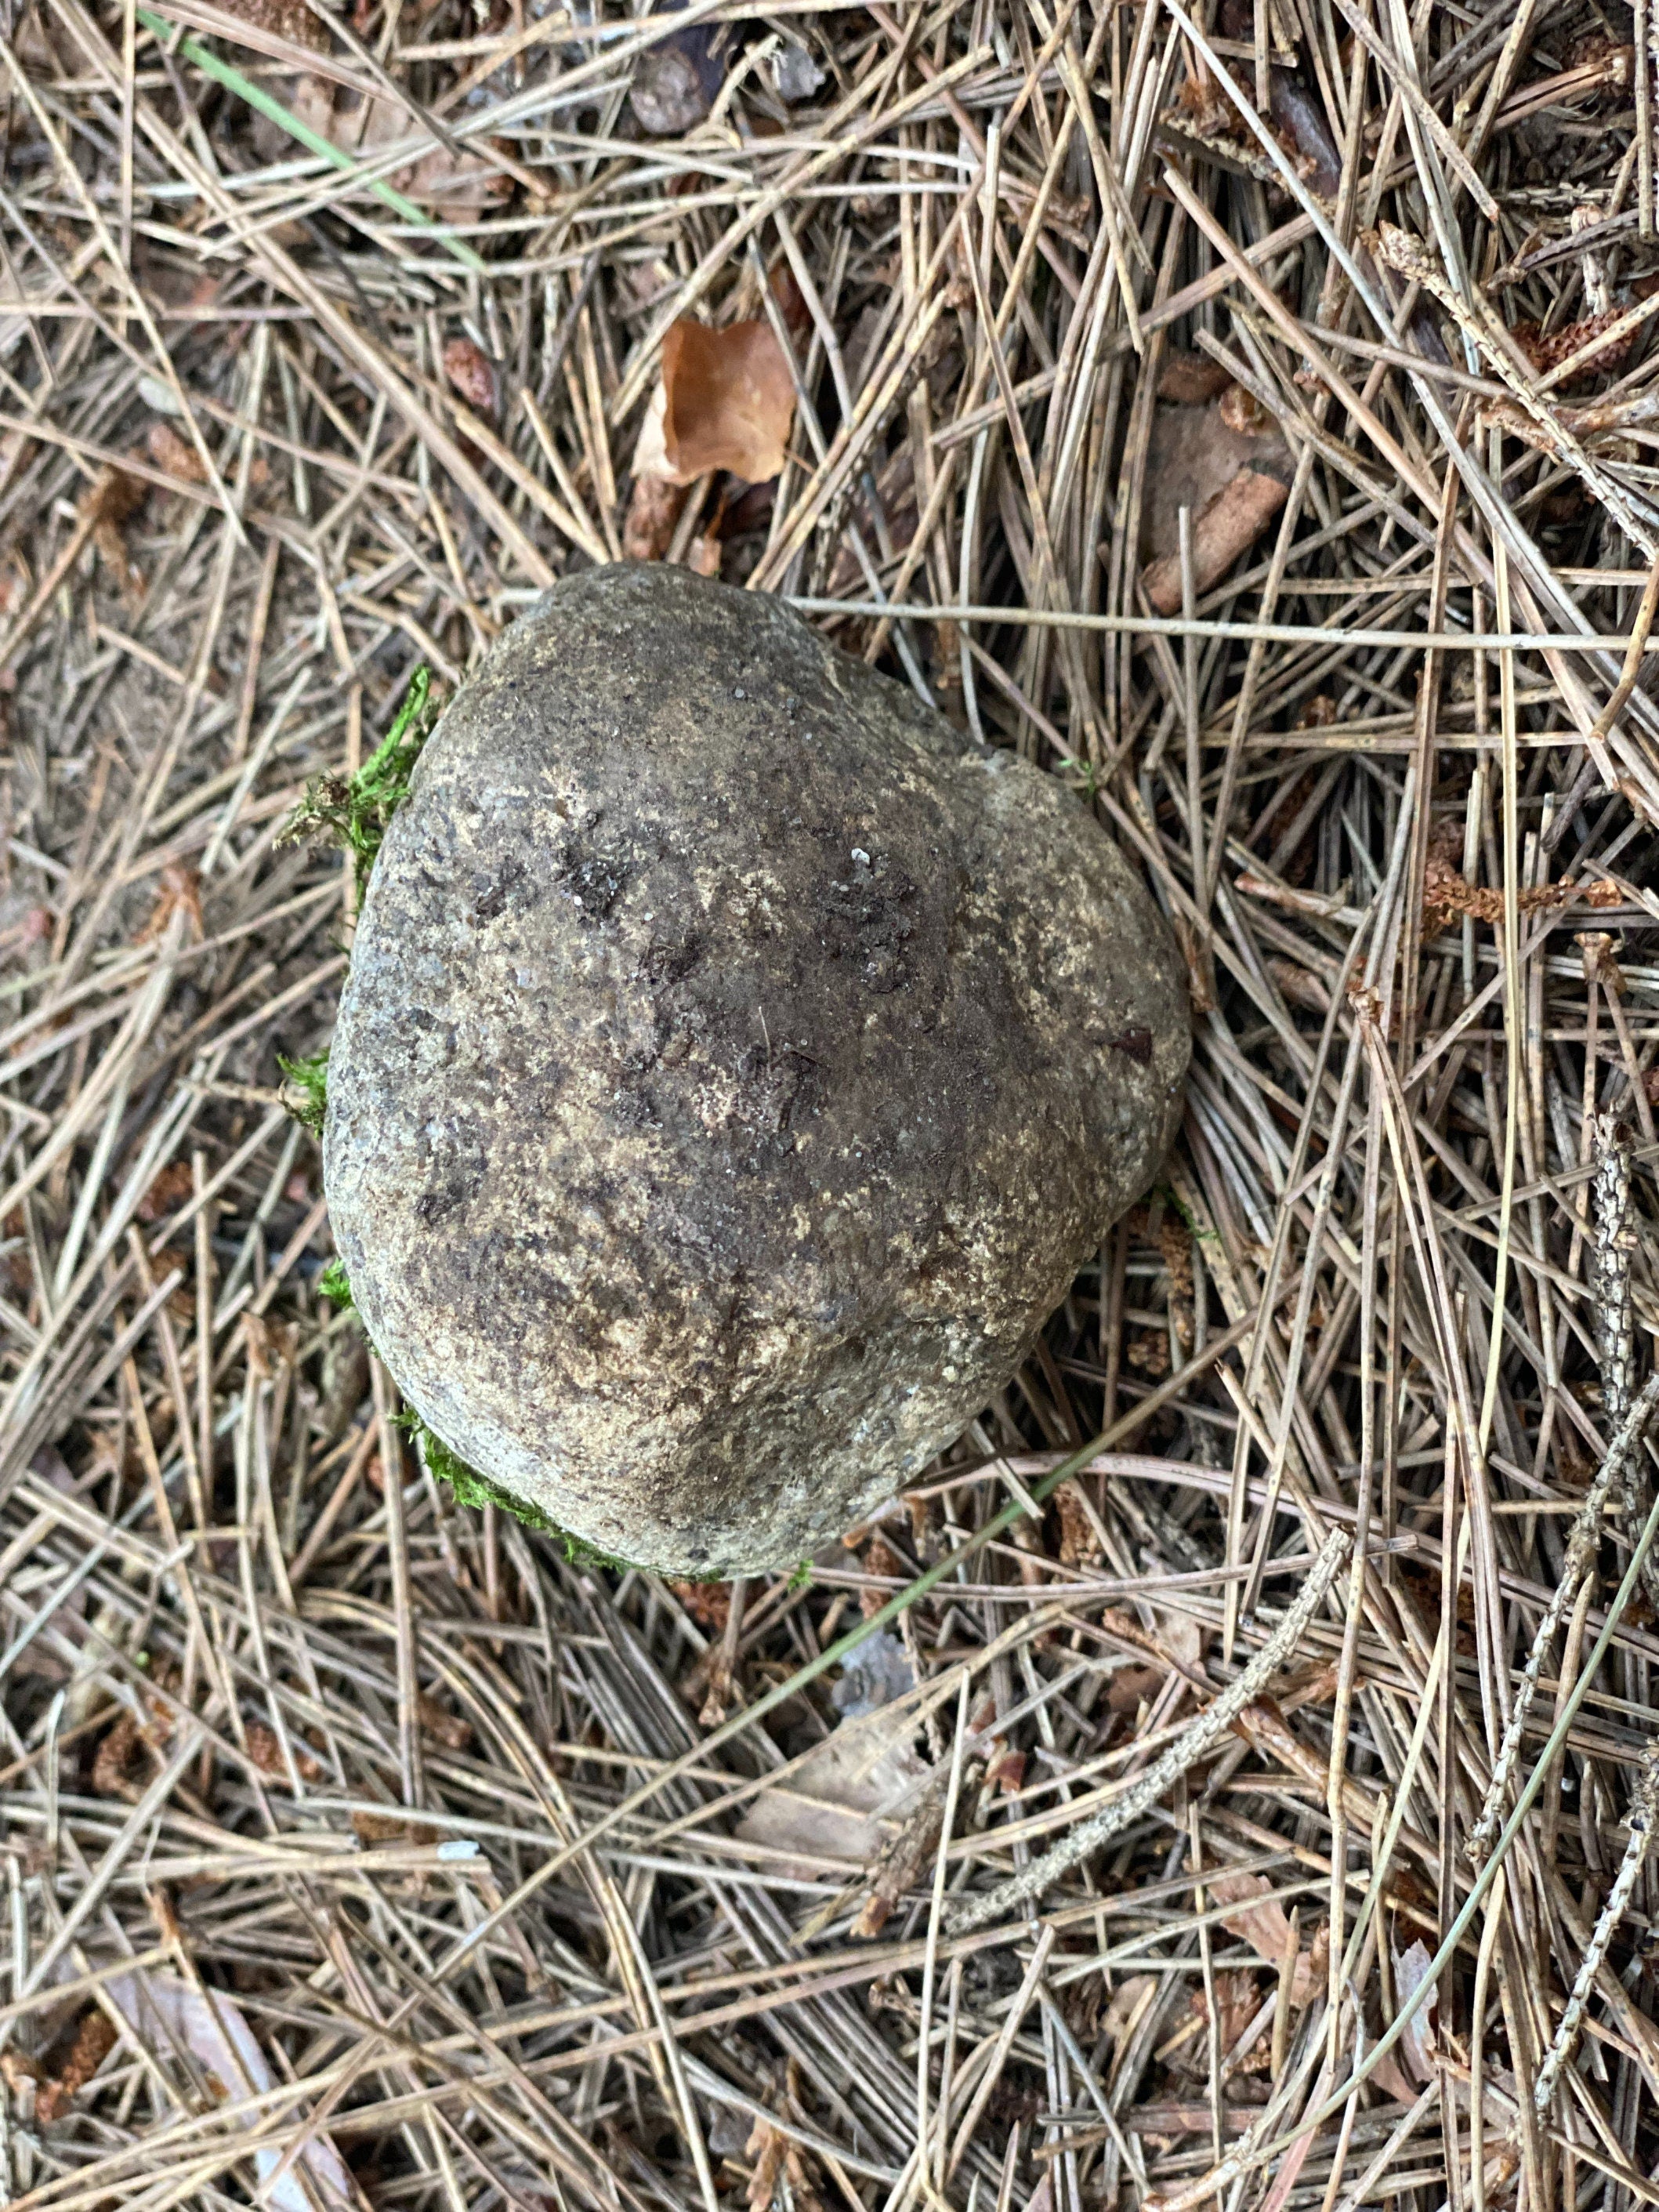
[727, 401]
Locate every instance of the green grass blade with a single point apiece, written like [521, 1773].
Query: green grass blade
[256, 97]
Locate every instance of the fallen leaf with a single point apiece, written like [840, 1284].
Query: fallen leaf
[653, 509]
[169, 2016]
[831, 1808]
[1264, 1925]
[727, 400]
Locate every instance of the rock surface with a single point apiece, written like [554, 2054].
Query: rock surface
[733, 1070]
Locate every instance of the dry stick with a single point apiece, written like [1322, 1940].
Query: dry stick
[1207, 1729]
[1582, 1540]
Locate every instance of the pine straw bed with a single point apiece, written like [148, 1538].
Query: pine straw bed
[1270, 1666]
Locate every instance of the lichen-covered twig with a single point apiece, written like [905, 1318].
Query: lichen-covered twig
[1581, 1540]
[1211, 1725]
[1614, 1332]
[1644, 1809]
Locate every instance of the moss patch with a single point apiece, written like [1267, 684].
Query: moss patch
[354, 812]
[469, 1487]
[307, 1098]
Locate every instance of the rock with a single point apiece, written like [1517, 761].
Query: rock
[734, 1069]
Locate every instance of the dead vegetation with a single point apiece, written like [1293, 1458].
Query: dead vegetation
[1230, 1777]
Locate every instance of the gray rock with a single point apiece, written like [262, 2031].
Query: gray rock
[733, 1070]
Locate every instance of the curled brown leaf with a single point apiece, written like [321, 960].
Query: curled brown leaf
[727, 401]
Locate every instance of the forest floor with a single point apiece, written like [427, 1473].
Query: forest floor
[1228, 1776]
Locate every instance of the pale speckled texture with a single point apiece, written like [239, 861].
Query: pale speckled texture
[732, 1072]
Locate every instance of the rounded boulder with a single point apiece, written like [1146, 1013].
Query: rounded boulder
[736, 1065]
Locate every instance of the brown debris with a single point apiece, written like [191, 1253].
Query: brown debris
[472, 373]
[1224, 527]
[94, 2039]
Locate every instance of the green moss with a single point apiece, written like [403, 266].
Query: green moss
[354, 812]
[308, 1093]
[469, 1487]
[336, 1284]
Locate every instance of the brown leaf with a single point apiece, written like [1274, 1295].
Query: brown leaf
[727, 401]
[1263, 1925]
[1224, 528]
[472, 373]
